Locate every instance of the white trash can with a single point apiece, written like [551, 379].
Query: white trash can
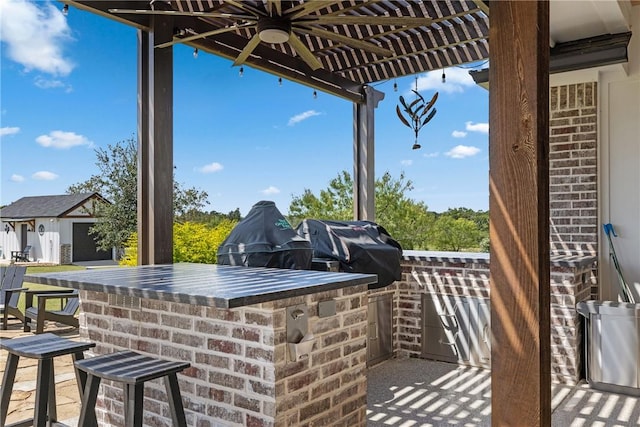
[612, 337]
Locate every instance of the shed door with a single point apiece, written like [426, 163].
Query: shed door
[84, 247]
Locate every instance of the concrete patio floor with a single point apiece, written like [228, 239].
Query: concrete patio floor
[417, 392]
[401, 393]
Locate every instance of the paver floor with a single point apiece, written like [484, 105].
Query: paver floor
[401, 393]
[22, 401]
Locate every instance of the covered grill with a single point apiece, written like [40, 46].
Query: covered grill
[264, 238]
[359, 247]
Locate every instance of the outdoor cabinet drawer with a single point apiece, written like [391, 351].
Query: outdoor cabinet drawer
[480, 338]
[445, 328]
[379, 328]
[456, 329]
[444, 344]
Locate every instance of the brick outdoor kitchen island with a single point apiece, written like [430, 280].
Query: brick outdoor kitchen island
[234, 325]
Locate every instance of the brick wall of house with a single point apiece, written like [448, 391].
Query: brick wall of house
[433, 274]
[573, 197]
[240, 371]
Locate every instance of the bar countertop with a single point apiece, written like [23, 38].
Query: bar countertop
[212, 285]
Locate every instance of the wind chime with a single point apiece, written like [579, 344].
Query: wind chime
[418, 113]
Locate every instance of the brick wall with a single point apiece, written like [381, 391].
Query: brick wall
[240, 371]
[65, 254]
[573, 198]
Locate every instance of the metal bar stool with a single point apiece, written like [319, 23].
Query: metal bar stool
[43, 347]
[133, 370]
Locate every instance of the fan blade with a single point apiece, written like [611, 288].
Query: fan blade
[177, 40]
[304, 52]
[246, 7]
[274, 5]
[360, 44]
[251, 45]
[179, 13]
[396, 21]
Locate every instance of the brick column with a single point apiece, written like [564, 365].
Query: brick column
[573, 197]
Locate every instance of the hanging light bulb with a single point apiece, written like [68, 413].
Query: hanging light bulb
[279, 81]
[241, 72]
[315, 94]
[195, 53]
[444, 77]
[65, 9]
[395, 86]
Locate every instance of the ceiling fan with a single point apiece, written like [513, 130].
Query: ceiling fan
[282, 22]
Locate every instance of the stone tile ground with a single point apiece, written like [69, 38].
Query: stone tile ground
[23, 395]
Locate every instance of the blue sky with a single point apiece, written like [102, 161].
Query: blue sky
[69, 86]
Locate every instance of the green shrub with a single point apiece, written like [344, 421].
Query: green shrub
[192, 242]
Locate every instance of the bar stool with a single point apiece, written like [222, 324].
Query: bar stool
[43, 347]
[133, 370]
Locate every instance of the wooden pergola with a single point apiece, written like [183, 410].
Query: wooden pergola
[341, 47]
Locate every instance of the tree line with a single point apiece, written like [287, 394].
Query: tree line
[198, 233]
[408, 221]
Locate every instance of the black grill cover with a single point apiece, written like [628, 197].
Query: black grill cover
[359, 246]
[264, 238]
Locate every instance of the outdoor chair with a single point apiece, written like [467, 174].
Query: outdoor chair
[10, 289]
[22, 255]
[39, 313]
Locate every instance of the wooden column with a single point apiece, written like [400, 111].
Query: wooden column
[364, 207]
[155, 144]
[519, 213]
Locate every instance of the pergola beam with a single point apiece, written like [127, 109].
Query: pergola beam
[155, 144]
[364, 190]
[519, 214]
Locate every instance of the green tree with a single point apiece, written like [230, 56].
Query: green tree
[481, 218]
[336, 202]
[406, 220]
[449, 234]
[211, 218]
[117, 182]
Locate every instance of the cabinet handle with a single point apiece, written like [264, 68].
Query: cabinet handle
[452, 317]
[452, 343]
[375, 334]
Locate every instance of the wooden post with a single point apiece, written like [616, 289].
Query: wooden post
[519, 213]
[155, 144]
[363, 154]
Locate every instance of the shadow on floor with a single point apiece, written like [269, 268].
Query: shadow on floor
[418, 392]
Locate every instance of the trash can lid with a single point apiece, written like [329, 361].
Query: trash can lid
[613, 308]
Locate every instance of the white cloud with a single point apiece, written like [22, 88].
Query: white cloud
[44, 83]
[457, 80]
[211, 168]
[35, 36]
[270, 190]
[63, 140]
[477, 127]
[429, 155]
[462, 151]
[406, 162]
[458, 134]
[9, 131]
[302, 116]
[16, 178]
[44, 176]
